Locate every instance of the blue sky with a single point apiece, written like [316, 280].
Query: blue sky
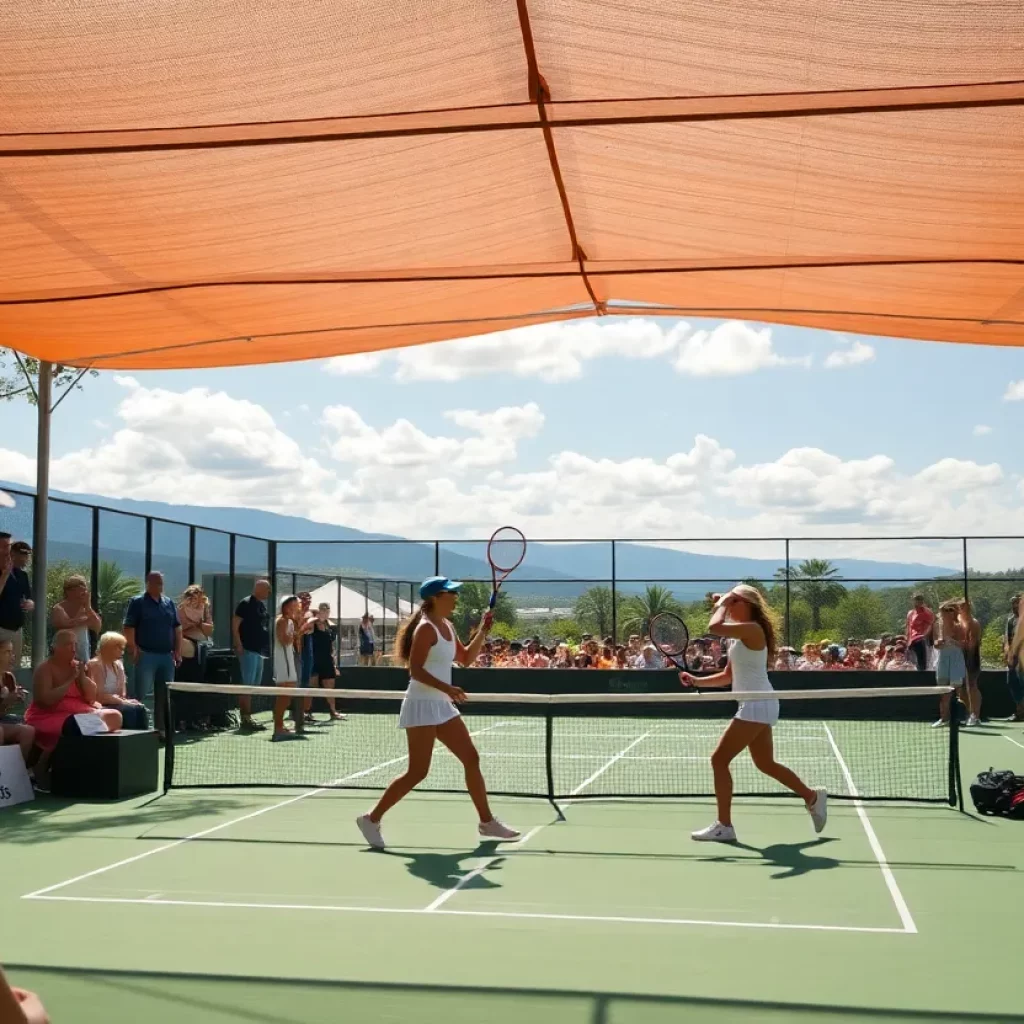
[792, 446]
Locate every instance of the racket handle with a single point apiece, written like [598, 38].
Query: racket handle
[494, 599]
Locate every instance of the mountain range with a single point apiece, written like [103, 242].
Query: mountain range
[550, 570]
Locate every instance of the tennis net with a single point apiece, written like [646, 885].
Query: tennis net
[871, 744]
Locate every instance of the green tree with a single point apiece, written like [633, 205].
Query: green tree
[636, 612]
[114, 589]
[860, 613]
[14, 385]
[473, 602]
[593, 611]
[992, 644]
[813, 580]
[564, 629]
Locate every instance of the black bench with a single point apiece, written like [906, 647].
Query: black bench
[107, 766]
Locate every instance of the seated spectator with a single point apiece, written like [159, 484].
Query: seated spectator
[75, 613]
[786, 660]
[902, 659]
[833, 659]
[563, 657]
[106, 671]
[59, 690]
[853, 653]
[11, 695]
[652, 660]
[535, 657]
[810, 660]
[196, 620]
[621, 657]
[515, 657]
[606, 659]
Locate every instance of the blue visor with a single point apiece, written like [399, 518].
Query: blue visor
[437, 585]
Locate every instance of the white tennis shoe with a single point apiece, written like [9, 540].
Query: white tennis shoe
[371, 831]
[818, 809]
[716, 833]
[495, 829]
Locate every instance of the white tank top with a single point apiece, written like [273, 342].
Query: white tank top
[749, 668]
[438, 663]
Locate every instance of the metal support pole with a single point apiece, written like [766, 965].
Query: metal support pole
[966, 570]
[40, 522]
[789, 610]
[615, 617]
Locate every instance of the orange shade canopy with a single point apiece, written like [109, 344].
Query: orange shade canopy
[197, 184]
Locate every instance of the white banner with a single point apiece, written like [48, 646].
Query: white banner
[15, 787]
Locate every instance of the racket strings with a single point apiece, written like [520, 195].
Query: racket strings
[507, 548]
[669, 634]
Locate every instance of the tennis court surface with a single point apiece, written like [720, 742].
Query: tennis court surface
[260, 903]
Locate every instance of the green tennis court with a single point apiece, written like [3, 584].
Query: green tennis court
[243, 904]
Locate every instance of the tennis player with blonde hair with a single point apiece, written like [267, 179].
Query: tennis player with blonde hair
[743, 617]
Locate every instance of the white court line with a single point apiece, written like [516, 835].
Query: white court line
[443, 898]
[1014, 742]
[501, 914]
[876, 847]
[41, 893]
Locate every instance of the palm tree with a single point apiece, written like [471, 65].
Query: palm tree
[638, 611]
[593, 610]
[113, 592]
[814, 581]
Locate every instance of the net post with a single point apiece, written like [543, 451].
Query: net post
[168, 738]
[956, 789]
[549, 766]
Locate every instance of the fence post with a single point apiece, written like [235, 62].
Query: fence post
[789, 609]
[966, 594]
[94, 559]
[192, 555]
[149, 544]
[437, 558]
[615, 608]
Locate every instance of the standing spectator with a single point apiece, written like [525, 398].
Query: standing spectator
[899, 660]
[652, 660]
[535, 657]
[920, 623]
[972, 658]
[106, 671]
[250, 635]
[304, 619]
[367, 640]
[324, 670]
[11, 695]
[15, 593]
[153, 632]
[75, 613]
[196, 620]
[951, 668]
[811, 660]
[1014, 676]
[286, 669]
[59, 690]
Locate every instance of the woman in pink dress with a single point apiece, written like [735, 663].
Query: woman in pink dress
[59, 691]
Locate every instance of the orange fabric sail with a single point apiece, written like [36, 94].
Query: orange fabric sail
[215, 184]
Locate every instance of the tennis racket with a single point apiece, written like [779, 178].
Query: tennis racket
[505, 551]
[672, 639]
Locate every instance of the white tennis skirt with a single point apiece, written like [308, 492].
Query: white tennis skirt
[765, 712]
[417, 711]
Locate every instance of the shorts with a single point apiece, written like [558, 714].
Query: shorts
[951, 669]
[324, 670]
[417, 711]
[250, 668]
[764, 712]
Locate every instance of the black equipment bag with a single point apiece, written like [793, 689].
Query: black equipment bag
[993, 792]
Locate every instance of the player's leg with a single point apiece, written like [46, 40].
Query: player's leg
[455, 736]
[421, 750]
[736, 737]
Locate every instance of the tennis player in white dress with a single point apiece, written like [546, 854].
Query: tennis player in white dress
[743, 616]
[428, 644]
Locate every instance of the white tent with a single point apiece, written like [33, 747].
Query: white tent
[355, 604]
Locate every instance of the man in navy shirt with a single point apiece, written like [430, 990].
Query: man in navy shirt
[153, 632]
[15, 593]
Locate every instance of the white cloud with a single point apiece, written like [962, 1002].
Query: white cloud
[554, 352]
[981, 430]
[731, 349]
[856, 354]
[205, 447]
[1014, 391]
[359, 364]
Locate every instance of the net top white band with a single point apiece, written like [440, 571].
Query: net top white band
[883, 692]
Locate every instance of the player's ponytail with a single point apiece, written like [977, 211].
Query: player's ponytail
[403, 642]
[762, 615]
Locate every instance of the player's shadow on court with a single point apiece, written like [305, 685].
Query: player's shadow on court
[447, 870]
[791, 859]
